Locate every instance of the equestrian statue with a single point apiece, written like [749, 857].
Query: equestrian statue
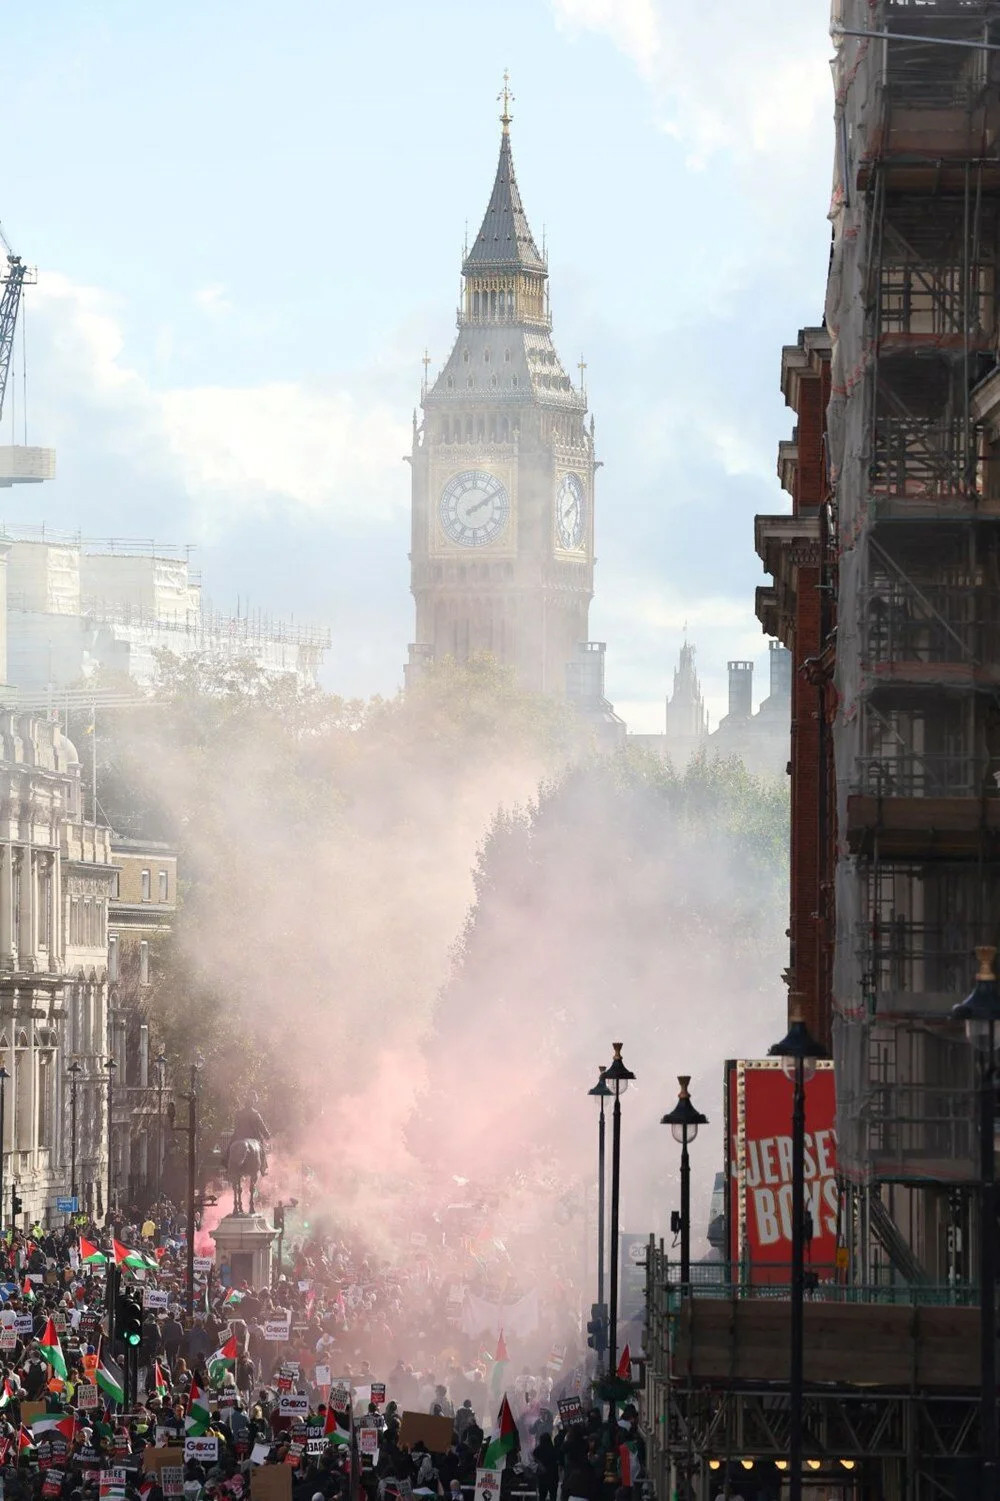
[247, 1156]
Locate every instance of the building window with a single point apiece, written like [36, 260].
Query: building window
[465, 355]
[144, 963]
[506, 356]
[88, 923]
[116, 885]
[112, 958]
[164, 885]
[146, 887]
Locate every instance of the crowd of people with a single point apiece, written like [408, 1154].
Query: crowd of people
[308, 1375]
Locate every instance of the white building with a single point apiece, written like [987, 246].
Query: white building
[72, 611]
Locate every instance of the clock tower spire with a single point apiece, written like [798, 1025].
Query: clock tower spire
[502, 557]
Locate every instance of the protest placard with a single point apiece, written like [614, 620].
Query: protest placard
[487, 1485]
[113, 1481]
[259, 1453]
[155, 1297]
[203, 1450]
[322, 1375]
[378, 1393]
[275, 1329]
[421, 1427]
[53, 1483]
[203, 1263]
[316, 1445]
[368, 1442]
[271, 1483]
[291, 1405]
[172, 1480]
[294, 1454]
[8, 1339]
[570, 1411]
[87, 1396]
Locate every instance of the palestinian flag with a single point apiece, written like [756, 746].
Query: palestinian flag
[135, 1260]
[8, 1394]
[222, 1361]
[160, 1387]
[23, 1441]
[28, 1290]
[624, 1372]
[51, 1350]
[198, 1414]
[338, 1428]
[90, 1255]
[504, 1441]
[628, 1463]
[110, 1379]
[52, 1423]
[498, 1372]
[232, 1298]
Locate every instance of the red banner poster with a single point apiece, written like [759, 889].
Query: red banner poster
[760, 1171]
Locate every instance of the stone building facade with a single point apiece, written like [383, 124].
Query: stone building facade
[55, 882]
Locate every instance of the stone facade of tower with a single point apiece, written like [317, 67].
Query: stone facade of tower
[502, 554]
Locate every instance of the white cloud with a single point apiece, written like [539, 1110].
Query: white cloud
[278, 446]
[213, 298]
[729, 79]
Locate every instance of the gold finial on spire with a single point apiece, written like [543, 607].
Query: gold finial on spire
[507, 98]
[581, 365]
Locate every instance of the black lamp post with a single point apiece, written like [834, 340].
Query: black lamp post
[160, 1064]
[4, 1076]
[112, 1068]
[980, 1011]
[73, 1074]
[684, 1121]
[798, 1052]
[602, 1092]
[619, 1077]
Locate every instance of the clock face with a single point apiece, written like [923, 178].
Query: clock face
[475, 508]
[570, 512]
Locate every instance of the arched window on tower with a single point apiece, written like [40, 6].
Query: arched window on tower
[475, 304]
[465, 356]
[486, 356]
[504, 431]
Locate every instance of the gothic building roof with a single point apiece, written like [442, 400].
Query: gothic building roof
[504, 238]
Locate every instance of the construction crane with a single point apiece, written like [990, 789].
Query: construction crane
[17, 276]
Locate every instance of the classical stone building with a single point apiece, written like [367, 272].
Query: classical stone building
[141, 915]
[55, 878]
[502, 555]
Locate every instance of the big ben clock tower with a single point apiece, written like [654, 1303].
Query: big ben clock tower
[502, 555]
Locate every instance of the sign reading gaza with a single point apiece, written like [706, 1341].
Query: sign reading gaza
[759, 1100]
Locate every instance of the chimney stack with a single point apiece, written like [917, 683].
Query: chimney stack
[740, 689]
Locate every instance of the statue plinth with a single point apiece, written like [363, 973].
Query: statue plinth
[243, 1244]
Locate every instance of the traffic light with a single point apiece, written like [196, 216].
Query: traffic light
[128, 1320]
[16, 1202]
[597, 1327]
[279, 1216]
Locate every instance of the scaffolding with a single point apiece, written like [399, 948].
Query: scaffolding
[914, 455]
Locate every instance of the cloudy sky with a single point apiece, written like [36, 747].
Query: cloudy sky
[248, 225]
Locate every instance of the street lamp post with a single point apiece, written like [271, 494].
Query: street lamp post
[4, 1076]
[619, 1077]
[798, 1052]
[980, 1012]
[684, 1121]
[73, 1072]
[160, 1063]
[602, 1092]
[112, 1067]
